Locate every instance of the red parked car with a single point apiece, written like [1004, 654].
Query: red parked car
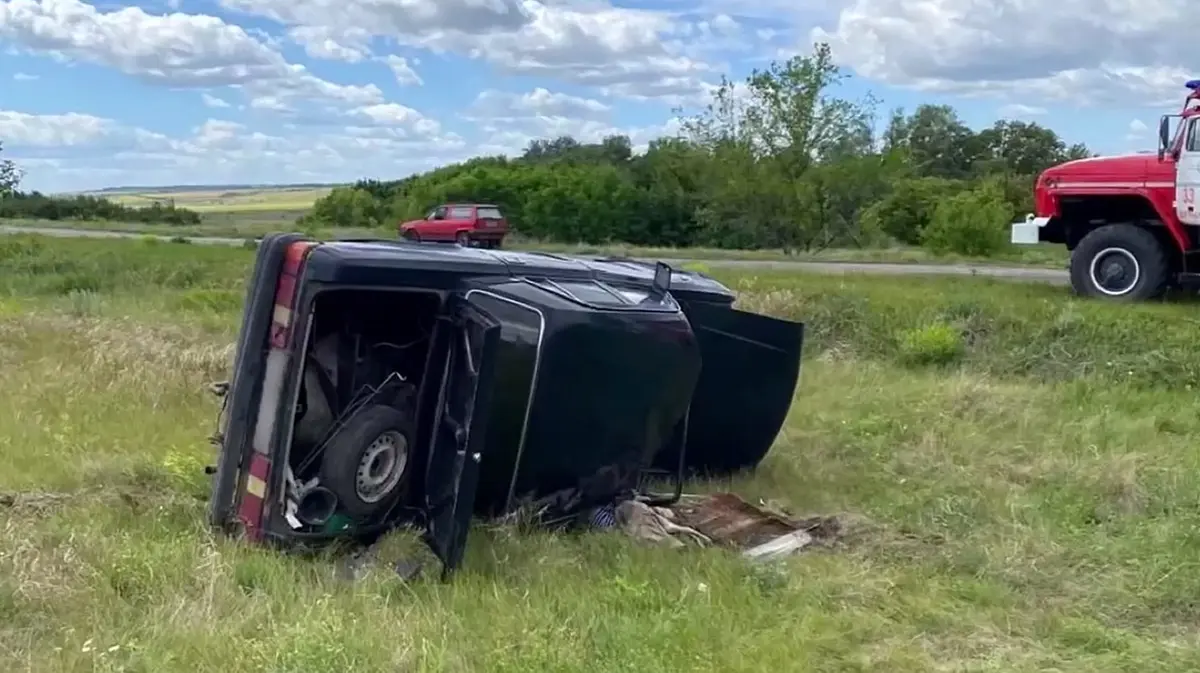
[480, 224]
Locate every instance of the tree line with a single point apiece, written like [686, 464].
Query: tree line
[18, 205]
[778, 161]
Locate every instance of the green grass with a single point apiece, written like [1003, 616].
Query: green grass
[1020, 470]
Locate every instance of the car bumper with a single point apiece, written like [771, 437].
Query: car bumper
[1028, 232]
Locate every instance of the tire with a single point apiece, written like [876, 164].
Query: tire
[411, 235]
[463, 239]
[1120, 262]
[368, 432]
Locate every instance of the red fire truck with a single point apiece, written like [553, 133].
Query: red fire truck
[1132, 223]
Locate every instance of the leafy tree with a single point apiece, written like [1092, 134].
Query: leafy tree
[1026, 148]
[348, 207]
[905, 212]
[15, 204]
[938, 143]
[778, 160]
[970, 223]
[10, 175]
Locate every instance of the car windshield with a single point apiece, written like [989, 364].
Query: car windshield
[488, 213]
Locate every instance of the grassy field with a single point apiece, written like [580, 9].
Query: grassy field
[1020, 469]
[248, 200]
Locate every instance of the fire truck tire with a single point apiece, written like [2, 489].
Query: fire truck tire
[1121, 262]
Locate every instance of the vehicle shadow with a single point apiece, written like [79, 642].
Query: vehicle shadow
[1180, 296]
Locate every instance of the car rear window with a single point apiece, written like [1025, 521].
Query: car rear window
[488, 213]
[597, 294]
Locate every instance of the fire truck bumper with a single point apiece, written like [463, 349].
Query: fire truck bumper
[1029, 231]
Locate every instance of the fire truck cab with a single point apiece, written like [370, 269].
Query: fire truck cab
[1132, 222]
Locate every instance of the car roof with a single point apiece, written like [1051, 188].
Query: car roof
[441, 257]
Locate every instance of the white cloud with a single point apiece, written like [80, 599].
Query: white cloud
[723, 24]
[396, 116]
[403, 72]
[24, 77]
[1020, 110]
[492, 104]
[626, 52]
[349, 45]
[513, 136]
[180, 50]
[213, 101]
[19, 130]
[390, 17]
[1137, 130]
[621, 51]
[508, 122]
[75, 151]
[269, 103]
[1072, 50]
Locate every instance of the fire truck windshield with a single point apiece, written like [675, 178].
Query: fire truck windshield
[1177, 136]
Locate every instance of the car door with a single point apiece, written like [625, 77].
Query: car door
[459, 425]
[461, 218]
[1187, 175]
[436, 225]
[750, 368]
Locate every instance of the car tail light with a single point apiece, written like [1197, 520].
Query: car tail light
[285, 293]
[254, 507]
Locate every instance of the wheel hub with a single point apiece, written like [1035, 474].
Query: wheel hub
[1115, 271]
[381, 466]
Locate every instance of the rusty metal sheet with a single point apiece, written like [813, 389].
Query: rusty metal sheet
[730, 521]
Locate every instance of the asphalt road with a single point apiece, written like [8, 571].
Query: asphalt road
[1028, 274]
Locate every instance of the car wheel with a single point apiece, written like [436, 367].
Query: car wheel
[462, 239]
[1121, 262]
[367, 462]
[411, 235]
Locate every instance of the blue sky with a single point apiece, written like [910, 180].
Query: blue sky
[96, 94]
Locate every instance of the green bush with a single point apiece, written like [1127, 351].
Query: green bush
[935, 344]
[908, 209]
[972, 223]
[345, 207]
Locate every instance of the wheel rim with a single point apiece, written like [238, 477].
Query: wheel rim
[381, 466]
[1115, 271]
[463, 240]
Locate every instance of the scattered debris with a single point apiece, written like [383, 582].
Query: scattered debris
[654, 524]
[726, 520]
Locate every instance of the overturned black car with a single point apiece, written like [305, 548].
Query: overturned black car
[385, 383]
